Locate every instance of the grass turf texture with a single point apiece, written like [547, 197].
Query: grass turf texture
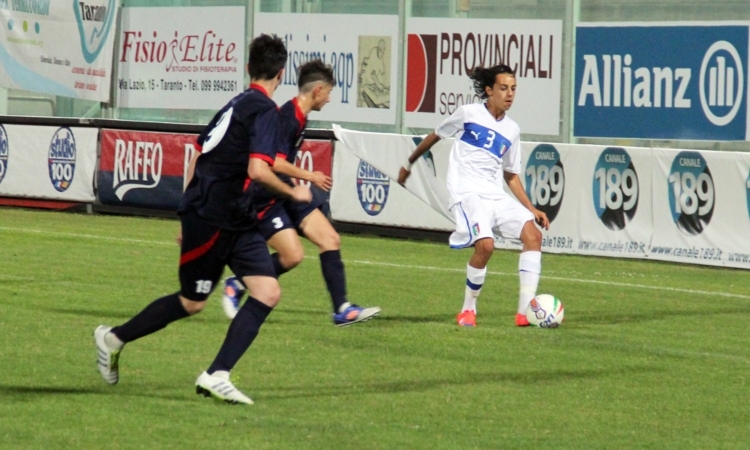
[651, 355]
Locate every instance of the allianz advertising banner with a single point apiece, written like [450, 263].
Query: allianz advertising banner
[662, 81]
[60, 47]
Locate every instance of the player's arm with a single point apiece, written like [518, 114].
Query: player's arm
[260, 171]
[426, 144]
[319, 179]
[514, 183]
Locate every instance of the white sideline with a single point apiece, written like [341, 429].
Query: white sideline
[409, 266]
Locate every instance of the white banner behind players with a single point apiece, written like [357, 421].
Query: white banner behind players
[54, 163]
[658, 204]
[181, 58]
[362, 50]
[58, 47]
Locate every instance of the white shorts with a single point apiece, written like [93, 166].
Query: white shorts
[478, 218]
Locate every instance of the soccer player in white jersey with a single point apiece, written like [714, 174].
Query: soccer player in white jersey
[487, 151]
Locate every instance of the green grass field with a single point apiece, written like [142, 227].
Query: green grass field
[651, 355]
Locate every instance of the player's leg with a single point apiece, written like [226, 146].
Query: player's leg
[252, 262]
[473, 228]
[314, 225]
[203, 255]
[517, 222]
[278, 230]
[529, 269]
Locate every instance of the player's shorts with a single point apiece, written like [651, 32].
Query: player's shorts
[288, 214]
[206, 249]
[478, 218]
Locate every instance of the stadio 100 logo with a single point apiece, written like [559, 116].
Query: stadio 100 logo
[4, 150]
[372, 188]
[545, 180]
[62, 159]
[691, 192]
[615, 188]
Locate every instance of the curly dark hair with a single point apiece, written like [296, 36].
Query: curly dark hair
[482, 77]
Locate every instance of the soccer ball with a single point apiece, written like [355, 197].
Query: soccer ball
[545, 311]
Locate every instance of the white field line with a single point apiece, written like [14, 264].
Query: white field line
[87, 236]
[410, 266]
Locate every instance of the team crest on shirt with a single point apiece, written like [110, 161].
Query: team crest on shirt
[475, 229]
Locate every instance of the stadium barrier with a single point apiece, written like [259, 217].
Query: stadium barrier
[663, 204]
[672, 205]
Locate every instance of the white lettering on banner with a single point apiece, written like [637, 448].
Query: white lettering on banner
[304, 160]
[138, 165]
[189, 152]
[620, 84]
[616, 88]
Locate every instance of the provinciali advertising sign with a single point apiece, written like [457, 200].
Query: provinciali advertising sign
[441, 53]
[180, 58]
[662, 80]
[59, 47]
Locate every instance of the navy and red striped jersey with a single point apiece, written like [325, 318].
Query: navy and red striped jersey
[291, 134]
[247, 127]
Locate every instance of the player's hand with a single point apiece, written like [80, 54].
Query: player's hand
[403, 174]
[178, 239]
[301, 194]
[321, 180]
[541, 219]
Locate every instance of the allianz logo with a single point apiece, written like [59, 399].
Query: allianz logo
[620, 84]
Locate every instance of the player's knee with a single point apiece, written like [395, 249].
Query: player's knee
[266, 290]
[531, 237]
[191, 306]
[290, 260]
[331, 241]
[484, 248]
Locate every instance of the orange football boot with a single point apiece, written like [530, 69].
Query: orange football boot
[467, 318]
[521, 320]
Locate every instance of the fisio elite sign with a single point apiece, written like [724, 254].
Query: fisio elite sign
[661, 81]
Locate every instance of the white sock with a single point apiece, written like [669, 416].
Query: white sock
[529, 268]
[344, 306]
[113, 342]
[474, 282]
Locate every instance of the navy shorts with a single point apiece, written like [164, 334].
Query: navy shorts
[288, 214]
[206, 249]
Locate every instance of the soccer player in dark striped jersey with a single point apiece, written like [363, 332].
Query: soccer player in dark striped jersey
[219, 225]
[282, 221]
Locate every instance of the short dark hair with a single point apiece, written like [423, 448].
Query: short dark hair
[267, 57]
[315, 70]
[485, 77]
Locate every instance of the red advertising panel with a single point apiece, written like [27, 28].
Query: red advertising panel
[144, 169]
[315, 156]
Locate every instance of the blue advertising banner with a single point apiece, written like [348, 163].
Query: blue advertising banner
[661, 81]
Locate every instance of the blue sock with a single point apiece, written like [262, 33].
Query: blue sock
[280, 270]
[241, 334]
[157, 315]
[333, 273]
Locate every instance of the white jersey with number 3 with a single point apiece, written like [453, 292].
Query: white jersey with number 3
[483, 149]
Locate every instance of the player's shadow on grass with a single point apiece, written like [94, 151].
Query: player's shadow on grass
[12, 391]
[398, 319]
[421, 385]
[107, 313]
[618, 317]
